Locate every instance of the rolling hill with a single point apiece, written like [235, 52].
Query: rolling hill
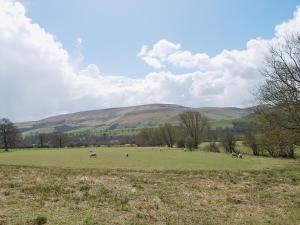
[128, 118]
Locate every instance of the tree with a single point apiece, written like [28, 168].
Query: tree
[180, 143]
[228, 142]
[41, 140]
[250, 139]
[58, 139]
[195, 126]
[9, 134]
[168, 133]
[149, 137]
[282, 86]
[274, 139]
[189, 143]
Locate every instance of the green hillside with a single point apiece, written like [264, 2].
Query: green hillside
[128, 120]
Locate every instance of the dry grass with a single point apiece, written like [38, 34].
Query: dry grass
[92, 196]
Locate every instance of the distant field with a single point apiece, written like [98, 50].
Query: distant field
[139, 159]
[105, 129]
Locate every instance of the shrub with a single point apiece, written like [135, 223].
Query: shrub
[277, 145]
[40, 220]
[212, 147]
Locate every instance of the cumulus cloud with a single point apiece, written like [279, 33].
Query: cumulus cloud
[165, 53]
[158, 53]
[38, 77]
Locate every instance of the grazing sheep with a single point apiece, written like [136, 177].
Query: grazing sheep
[234, 155]
[237, 155]
[127, 154]
[93, 154]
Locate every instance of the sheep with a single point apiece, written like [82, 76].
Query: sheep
[240, 155]
[93, 154]
[237, 155]
[127, 154]
[234, 154]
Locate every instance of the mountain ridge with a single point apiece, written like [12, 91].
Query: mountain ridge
[127, 117]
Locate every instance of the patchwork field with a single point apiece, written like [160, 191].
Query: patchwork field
[65, 186]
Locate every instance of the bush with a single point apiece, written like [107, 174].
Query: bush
[40, 220]
[277, 145]
[212, 147]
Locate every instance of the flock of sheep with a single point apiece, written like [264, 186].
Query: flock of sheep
[233, 154]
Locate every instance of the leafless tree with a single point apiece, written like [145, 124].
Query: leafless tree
[58, 139]
[274, 139]
[41, 140]
[189, 143]
[250, 139]
[195, 126]
[168, 133]
[229, 142]
[282, 86]
[9, 134]
[149, 137]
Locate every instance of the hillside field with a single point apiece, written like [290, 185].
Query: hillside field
[151, 186]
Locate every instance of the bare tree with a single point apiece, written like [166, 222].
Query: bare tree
[282, 86]
[41, 140]
[195, 126]
[9, 134]
[168, 133]
[189, 143]
[58, 139]
[274, 139]
[149, 137]
[250, 139]
[228, 142]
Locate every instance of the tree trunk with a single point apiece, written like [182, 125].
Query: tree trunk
[5, 141]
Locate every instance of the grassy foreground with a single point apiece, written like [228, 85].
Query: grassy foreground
[67, 187]
[90, 196]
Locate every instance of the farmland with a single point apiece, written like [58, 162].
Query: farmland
[151, 186]
[146, 158]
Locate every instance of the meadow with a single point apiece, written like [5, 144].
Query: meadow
[146, 158]
[151, 186]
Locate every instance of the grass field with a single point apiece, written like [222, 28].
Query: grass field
[139, 159]
[65, 186]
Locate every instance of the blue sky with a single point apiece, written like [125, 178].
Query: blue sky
[68, 56]
[113, 31]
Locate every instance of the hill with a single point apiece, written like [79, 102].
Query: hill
[128, 118]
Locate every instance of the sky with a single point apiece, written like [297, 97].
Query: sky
[67, 56]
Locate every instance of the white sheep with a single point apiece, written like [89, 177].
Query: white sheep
[93, 154]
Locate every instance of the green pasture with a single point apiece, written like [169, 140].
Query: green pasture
[145, 158]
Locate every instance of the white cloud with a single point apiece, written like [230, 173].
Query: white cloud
[177, 57]
[289, 27]
[38, 77]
